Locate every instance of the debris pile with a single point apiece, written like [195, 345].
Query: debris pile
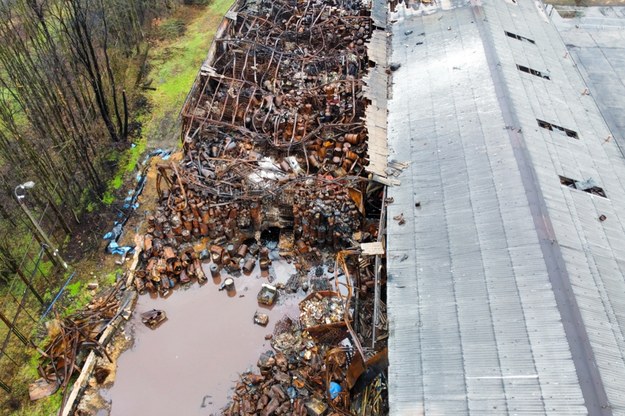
[370, 328]
[153, 318]
[73, 336]
[325, 215]
[273, 136]
[318, 365]
[321, 308]
[290, 380]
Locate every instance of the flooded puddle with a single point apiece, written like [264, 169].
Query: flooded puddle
[190, 363]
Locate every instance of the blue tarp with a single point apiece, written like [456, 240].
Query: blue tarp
[130, 205]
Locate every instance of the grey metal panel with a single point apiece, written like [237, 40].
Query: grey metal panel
[378, 12]
[474, 324]
[588, 254]
[481, 304]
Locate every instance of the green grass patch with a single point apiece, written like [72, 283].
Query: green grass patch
[77, 297]
[111, 277]
[108, 198]
[117, 182]
[171, 29]
[127, 164]
[48, 406]
[91, 206]
[45, 270]
[176, 64]
[30, 371]
[74, 289]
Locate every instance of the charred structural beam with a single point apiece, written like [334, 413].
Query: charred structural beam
[273, 136]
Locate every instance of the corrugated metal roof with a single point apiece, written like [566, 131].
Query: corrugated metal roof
[506, 293]
[375, 89]
[596, 41]
[590, 259]
[379, 12]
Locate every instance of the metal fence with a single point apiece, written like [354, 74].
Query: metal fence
[29, 293]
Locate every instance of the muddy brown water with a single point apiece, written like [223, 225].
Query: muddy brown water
[191, 362]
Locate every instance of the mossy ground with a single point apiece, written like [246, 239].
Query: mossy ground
[175, 65]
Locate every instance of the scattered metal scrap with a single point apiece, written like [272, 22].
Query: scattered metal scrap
[318, 366]
[322, 308]
[72, 337]
[290, 380]
[261, 319]
[267, 295]
[153, 318]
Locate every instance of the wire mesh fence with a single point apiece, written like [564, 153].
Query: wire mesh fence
[28, 292]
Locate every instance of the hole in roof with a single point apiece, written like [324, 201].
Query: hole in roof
[519, 37]
[588, 186]
[534, 72]
[558, 129]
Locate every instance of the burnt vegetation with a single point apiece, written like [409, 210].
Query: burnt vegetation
[64, 99]
[69, 97]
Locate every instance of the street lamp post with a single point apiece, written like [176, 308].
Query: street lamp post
[50, 248]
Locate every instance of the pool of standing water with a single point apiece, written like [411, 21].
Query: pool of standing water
[190, 364]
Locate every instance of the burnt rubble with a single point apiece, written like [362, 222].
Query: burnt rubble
[72, 338]
[319, 365]
[274, 138]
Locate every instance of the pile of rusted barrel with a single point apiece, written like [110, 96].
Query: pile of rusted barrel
[166, 266]
[286, 385]
[273, 136]
[325, 215]
[324, 212]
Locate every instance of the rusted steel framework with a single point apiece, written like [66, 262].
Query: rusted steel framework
[273, 136]
[287, 74]
[279, 109]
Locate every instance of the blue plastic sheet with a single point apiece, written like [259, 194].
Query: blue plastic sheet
[114, 248]
[114, 234]
[291, 392]
[130, 204]
[335, 389]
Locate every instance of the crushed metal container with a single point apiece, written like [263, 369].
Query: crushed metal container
[315, 407]
[261, 319]
[322, 314]
[153, 318]
[267, 295]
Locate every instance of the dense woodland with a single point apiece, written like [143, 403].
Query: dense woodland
[71, 73]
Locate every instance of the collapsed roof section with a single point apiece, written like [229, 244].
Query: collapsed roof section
[283, 83]
[273, 136]
[282, 98]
